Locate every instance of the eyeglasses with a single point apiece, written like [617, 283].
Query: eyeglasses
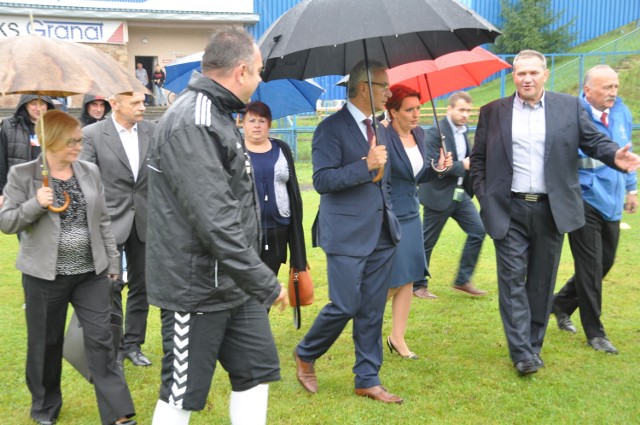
[72, 143]
[385, 86]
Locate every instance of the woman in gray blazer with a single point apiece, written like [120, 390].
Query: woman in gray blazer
[64, 258]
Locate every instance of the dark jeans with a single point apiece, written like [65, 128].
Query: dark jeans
[467, 217]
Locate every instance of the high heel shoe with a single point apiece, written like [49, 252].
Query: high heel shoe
[392, 348]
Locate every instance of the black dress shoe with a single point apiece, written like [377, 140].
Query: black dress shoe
[138, 359]
[601, 343]
[538, 360]
[527, 367]
[565, 323]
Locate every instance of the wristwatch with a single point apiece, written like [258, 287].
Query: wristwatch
[632, 192]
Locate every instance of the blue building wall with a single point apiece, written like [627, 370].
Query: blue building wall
[592, 17]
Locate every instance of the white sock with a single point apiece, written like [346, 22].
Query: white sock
[249, 407]
[165, 414]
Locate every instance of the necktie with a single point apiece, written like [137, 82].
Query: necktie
[604, 119]
[370, 133]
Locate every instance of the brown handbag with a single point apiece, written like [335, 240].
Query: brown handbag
[300, 292]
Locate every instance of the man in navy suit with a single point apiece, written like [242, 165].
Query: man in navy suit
[524, 168]
[358, 232]
[450, 196]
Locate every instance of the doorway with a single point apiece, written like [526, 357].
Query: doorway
[148, 63]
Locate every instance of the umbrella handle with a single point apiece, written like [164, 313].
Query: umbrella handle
[67, 198]
[379, 176]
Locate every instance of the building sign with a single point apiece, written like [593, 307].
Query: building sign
[78, 30]
[211, 6]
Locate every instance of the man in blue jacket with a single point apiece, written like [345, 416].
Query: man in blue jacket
[605, 192]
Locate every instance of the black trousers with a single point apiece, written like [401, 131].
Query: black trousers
[274, 248]
[135, 320]
[594, 249]
[46, 312]
[527, 261]
[239, 338]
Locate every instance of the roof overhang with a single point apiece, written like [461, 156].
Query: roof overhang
[128, 14]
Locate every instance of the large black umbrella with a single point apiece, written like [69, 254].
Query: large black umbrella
[328, 37]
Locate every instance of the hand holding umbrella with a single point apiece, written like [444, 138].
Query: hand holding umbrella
[72, 68]
[46, 190]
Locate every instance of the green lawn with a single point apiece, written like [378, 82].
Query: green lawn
[464, 375]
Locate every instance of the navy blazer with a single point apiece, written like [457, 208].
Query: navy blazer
[568, 127]
[437, 194]
[352, 207]
[404, 186]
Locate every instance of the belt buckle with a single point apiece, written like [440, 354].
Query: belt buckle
[530, 197]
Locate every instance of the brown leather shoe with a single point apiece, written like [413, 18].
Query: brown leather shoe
[424, 293]
[469, 289]
[379, 393]
[306, 374]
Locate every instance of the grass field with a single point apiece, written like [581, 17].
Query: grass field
[464, 375]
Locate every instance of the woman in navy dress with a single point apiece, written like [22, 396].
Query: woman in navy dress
[409, 167]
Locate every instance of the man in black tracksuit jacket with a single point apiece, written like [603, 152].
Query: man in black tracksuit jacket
[203, 243]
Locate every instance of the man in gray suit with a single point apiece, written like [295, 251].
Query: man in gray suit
[524, 168]
[118, 145]
[450, 196]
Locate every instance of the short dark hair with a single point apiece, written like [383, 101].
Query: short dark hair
[399, 93]
[454, 98]
[260, 109]
[227, 47]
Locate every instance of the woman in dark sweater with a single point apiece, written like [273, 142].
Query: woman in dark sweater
[278, 191]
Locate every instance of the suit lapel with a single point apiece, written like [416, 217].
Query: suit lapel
[449, 139]
[505, 118]
[144, 137]
[550, 118]
[112, 140]
[354, 128]
[396, 144]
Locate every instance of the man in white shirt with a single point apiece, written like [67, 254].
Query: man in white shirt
[450, 196]
[118, 145]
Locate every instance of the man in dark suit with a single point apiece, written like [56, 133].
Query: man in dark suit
[524, 168]
[450, 196]
[118, 145]
[357, 230]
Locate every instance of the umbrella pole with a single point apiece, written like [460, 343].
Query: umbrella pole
[380, 173]
[45, 172]
[442, 137]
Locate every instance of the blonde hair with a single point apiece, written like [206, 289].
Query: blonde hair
[54, 129]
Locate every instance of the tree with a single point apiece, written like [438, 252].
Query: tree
[528, 25]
